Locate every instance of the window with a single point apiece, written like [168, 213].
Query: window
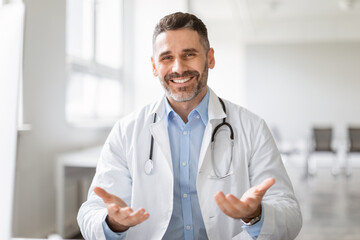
[94, 32]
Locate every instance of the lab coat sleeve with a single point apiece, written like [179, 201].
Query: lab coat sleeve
[113, 175]
[254, 230]
[110, 235]
[282, 216]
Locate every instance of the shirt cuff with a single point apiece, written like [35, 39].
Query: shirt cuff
[109, 234]
[254, 230]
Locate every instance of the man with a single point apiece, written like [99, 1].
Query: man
[164, 171]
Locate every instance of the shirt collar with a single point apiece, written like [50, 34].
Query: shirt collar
[201, 109]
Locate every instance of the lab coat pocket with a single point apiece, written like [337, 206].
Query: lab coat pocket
[221, 175]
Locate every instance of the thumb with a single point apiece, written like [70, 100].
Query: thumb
[109, 198]
[265, 185]
[106, 197]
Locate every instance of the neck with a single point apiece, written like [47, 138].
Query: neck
[184, 108]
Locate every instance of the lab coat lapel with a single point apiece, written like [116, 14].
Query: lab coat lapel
[159, 131]
[215, 112]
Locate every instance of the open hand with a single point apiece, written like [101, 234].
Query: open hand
[248, 206]
[120, 216]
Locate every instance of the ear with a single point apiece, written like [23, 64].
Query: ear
[211, 58]
[155, 72]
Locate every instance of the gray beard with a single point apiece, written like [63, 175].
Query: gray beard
[199, 87]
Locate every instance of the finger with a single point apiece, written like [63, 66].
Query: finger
[265, 185]
[119, 213]
[123, 214]
[237, 203]
[113, 209]
[137, 217]
[256, 193]
[106, 197]
[119, 216]
[224, 204]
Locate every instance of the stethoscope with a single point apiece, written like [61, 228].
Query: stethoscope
[149, 164]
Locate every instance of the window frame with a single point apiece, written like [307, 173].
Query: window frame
[77, 65]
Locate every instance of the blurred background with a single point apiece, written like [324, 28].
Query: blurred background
[86, 63]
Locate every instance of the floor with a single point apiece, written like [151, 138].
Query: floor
[330, 204]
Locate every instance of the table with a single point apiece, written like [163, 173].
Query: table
[72, 167]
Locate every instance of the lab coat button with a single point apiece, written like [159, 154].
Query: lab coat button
[185, 195]
[188, 227]
[184, 164]
[185, 132]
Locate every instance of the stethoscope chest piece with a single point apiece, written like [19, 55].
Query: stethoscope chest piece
[148, 167]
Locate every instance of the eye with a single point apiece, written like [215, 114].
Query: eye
[189, 55]
[166, 58]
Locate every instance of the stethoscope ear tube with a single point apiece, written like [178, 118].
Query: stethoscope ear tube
[152, 141]
[149, 164]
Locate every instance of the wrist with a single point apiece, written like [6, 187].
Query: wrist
[115, 226]
[253, 218]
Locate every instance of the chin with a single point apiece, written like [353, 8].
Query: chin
[182, 98]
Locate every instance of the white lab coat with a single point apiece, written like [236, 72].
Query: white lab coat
[120, 171]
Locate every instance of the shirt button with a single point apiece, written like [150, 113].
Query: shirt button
[184, 164]
[185, 132]
[185, 195]
[197, 116]
[188, 227]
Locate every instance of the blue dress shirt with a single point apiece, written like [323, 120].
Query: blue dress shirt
[185, 142]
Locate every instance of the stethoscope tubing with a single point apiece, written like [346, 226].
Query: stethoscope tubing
[149, 164]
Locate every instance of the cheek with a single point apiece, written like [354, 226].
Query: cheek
[200, 65]
[163, 70]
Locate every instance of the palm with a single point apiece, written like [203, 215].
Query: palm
[248, 206]
[120, 216]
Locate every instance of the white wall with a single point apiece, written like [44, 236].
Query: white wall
[11, 26]
[44, 108]
[226, 79]
[147, 88]
[296, 86]
[44, 103]
[225, 35]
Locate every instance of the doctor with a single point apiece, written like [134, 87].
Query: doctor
[192, 165]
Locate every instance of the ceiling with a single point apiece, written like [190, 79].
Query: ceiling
[282, 20]
[301, 8]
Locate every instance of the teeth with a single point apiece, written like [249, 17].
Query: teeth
[181, 80]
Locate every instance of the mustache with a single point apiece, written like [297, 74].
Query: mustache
[177, 75]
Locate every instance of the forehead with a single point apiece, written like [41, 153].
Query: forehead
[177, 40]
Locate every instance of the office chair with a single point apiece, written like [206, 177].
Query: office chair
[353, 147]
[321, 143]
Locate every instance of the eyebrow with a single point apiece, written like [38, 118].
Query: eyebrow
[164, 53]
[190, 50]
[186, 50]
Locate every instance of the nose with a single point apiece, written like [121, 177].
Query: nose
[178, 66]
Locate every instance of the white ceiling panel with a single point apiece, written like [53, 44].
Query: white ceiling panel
[282, 20]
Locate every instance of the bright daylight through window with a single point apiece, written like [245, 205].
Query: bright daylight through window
[94, 58]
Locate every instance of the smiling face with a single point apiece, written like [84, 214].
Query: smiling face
[181, 63]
